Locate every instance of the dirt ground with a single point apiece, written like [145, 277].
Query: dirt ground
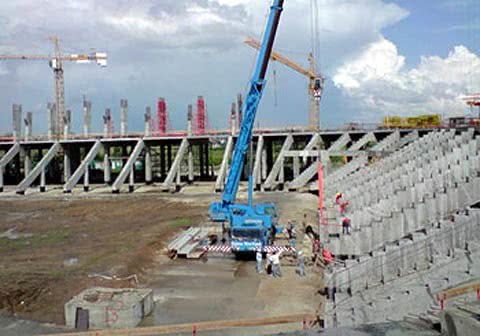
[61, 241]
[50, 246]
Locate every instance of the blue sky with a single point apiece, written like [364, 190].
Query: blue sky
[380, 57]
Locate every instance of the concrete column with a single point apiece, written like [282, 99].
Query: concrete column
[1, 179]
[27, 162]
[190, 164]
[148, 166]
[66, 165]
[86, 182]
[264, 164]
[190, 120]
[148, 118]
[123, 117]
[131, 181]
[43, 183]
[107, 169]
[296, 166]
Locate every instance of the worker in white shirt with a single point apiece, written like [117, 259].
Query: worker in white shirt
[259, 258]
[276, 264]
[300, 264]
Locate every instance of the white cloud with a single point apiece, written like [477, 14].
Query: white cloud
[381, 83]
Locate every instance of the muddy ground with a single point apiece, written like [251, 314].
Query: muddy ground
[51, 246]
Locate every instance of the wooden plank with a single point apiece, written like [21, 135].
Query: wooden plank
[456, 291]
[200, 326]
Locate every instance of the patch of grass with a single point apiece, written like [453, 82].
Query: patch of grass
[181, 222]
[49, 238]
[216, 156]
[97, 259]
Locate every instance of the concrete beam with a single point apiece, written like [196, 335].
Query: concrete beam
[224, 166]
[369, 137]
[137, 150]
[278, 165]
[83, 167]
[334, 150]
[175, 168]
[28, 180]
[12, 152]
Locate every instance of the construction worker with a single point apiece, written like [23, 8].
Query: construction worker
[327, 256]
[268, 266]
[342, 207]
[293, 237]
[346, 225]
[276, 271]
[259, 258]
[338, 198]
[300, 264]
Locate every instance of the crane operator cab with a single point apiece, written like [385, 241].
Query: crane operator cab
[318, 88]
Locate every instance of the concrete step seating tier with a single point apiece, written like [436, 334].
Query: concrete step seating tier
[432, 186]
[381, 286]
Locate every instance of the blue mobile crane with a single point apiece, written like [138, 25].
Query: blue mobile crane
[251, 226]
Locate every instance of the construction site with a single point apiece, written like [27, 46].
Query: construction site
[364, 229]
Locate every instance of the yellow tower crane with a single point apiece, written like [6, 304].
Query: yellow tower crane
[56, 63]
[315, 81]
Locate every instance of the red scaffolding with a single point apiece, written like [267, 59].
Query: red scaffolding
[200, 119]
[161, 128]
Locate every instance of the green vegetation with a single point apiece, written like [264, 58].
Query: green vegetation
[216, 156]
[52, 237]
[181, 222]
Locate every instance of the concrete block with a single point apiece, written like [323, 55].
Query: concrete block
[392, 261]
[421, 218]
[110, 307]
[365, 240]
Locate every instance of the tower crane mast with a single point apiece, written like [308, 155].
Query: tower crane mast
[56, 63]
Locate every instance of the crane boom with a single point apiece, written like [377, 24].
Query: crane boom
[251, 104]
[254, 43]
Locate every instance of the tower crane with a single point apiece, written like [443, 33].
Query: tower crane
[56, 63]
[315, 81]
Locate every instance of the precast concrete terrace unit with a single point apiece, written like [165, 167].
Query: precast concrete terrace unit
[415, 227]
[101, 308]
[284, 158]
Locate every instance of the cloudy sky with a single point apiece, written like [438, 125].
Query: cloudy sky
[380, 57]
